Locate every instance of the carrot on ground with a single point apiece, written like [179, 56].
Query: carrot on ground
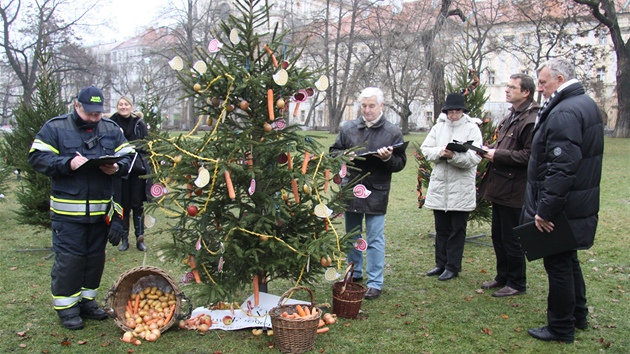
[322, 330]
[321, 324]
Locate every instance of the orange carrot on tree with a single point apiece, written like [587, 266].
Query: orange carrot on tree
[270, 104]
[326, 178]
[289, 161]
[228, 183]
[294, 185]
[296, 109]
[307, 157]
[256, 291]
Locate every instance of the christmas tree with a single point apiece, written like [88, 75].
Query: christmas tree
[252, 199]
[34, 194]
[466, 83]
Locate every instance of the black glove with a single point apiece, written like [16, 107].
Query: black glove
[116, 231]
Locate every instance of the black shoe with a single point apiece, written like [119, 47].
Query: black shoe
[140, 244]
[543, 333]
[357, 280]
[435, 271]
[372, 293]
[70, 318]
[447, 275]
[124, 245]
[89, 309]
[581, 323]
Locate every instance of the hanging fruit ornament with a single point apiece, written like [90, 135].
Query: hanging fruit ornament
[149, 221]
[234, 37]
[280, 103]
[209, 121]
[192, 210]
[197, 87]
[176, 63]
[215, 101]
[322, 83]
[281, 77]
[243, 104]
[326, 261]
[203, 178]
[200, 66]
[177, 159]
[267, 127]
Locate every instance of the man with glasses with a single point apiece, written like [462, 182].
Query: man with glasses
[80, 201]
[504, 184]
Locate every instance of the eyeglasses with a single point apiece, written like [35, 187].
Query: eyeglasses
[511, 87]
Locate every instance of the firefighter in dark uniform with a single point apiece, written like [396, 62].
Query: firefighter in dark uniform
[80, 201]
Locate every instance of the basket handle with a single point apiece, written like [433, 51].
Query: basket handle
[347, 278]
[290, 291]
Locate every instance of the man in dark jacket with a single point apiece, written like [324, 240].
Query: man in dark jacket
[504, 184]
[375, 133]
[563, 175]
[80, 201]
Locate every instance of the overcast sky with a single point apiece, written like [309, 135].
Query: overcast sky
[124, 18]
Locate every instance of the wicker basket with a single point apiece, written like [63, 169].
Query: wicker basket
[134, 280]
[347, 296]
[294, 335]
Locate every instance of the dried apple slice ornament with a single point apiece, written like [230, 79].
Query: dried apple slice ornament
[234, 37]
[203, 178]
[176, 63]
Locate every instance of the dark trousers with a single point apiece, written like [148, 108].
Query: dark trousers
[566, 300]
[79, 258]
[510, 258]
[450, 236]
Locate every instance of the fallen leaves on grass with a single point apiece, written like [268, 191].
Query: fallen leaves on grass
[13, 268]
[487, 331]
[21, 334]
[81, 342]
[505, 316]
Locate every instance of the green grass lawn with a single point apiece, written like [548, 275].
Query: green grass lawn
[415, 314]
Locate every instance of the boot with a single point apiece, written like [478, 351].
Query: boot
[138, 225]
[89, 309]
[70, 318]
[140, 243]
[124, 244]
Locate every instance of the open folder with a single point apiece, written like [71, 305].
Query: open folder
[538, 244]
[100, 161]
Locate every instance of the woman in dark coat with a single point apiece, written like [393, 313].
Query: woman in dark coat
[130, 192]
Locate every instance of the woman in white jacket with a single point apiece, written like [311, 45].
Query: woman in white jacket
[451, 193]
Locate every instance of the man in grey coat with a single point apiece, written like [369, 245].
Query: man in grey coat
[373, 131]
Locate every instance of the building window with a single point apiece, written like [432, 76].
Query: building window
[601, 74]
[602, 37]
[491, 77]
[429, 117]
[526, 39]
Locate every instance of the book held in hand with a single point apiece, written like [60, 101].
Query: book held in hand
[100, 161]
[400, 147]
[538, 244]
[459, 146]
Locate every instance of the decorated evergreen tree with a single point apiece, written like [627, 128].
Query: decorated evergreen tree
[466, 83]
[34, 194]
[252, 199]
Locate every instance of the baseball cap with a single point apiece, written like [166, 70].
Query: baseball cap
[92, 99]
